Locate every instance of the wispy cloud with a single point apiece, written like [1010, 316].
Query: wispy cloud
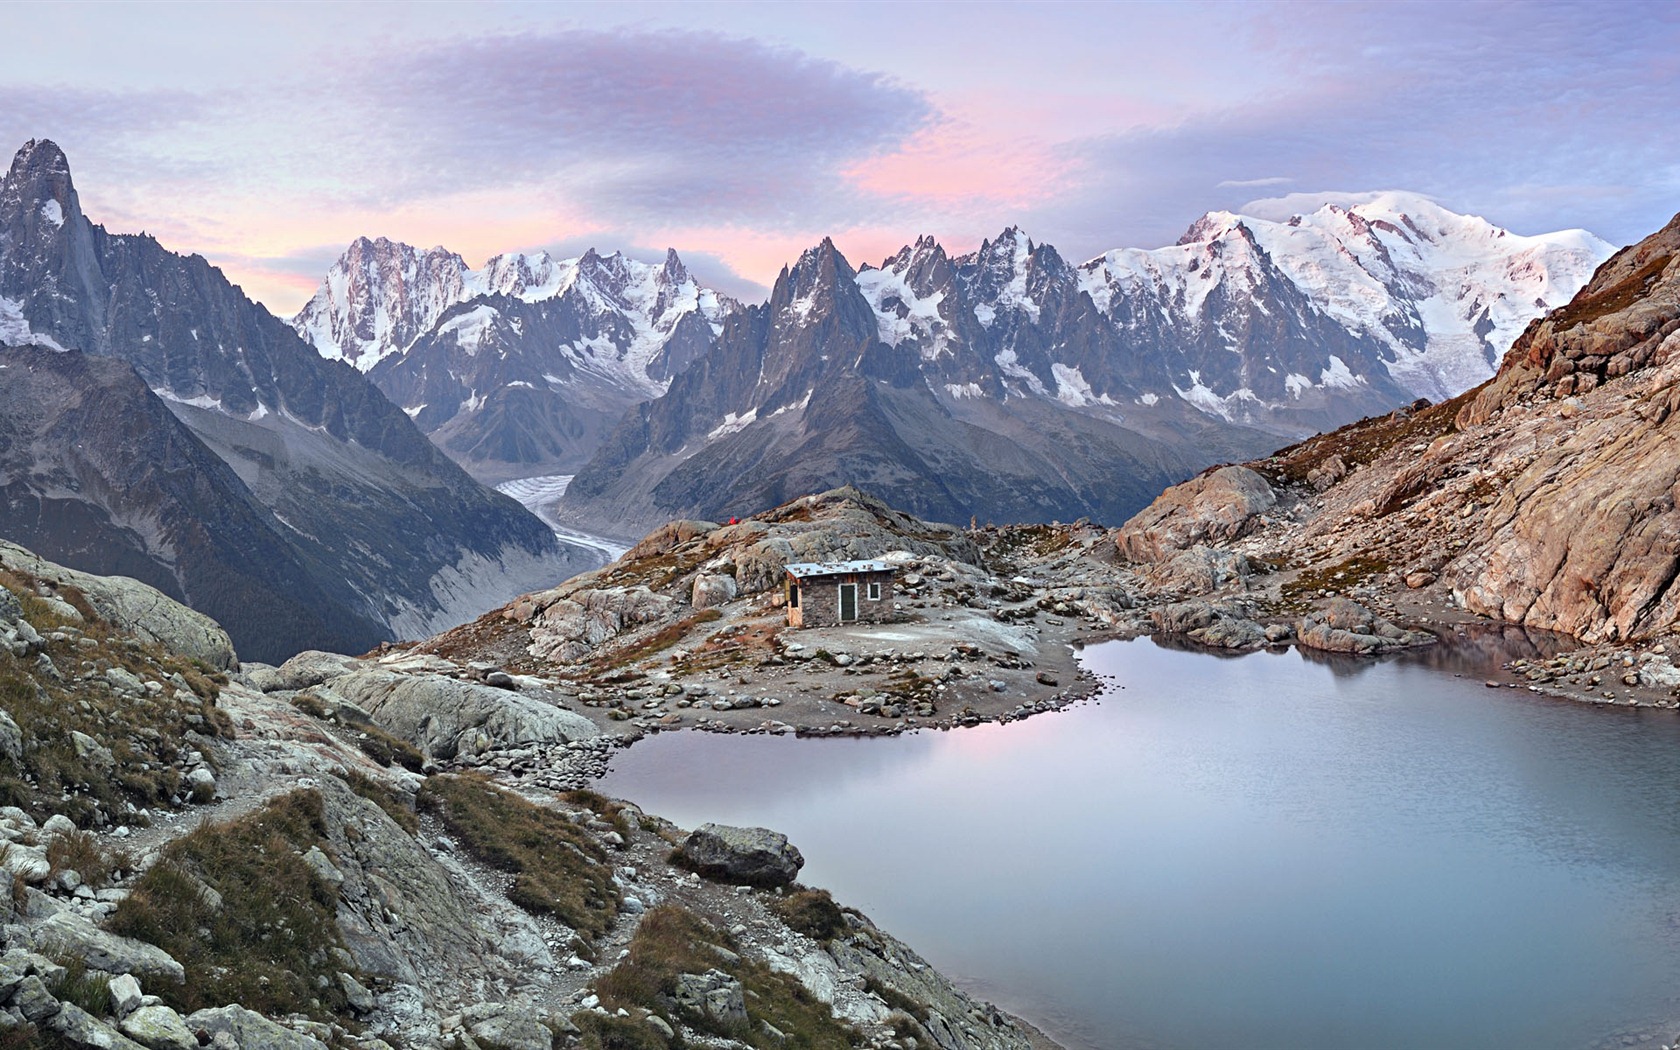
[1249, 184]
[644, 125]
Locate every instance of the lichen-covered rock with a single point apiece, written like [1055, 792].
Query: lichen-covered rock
[1215, 507]
[569, 629]
[158, 1028]
[669, 537]
[1215, 626]
[747, 856]
[312, 667]
[507, 1025]
[79, 1028]
[714, 995]
[1202, 569]
[70, 935]
[250, 1031]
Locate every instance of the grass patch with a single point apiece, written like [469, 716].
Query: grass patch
[90, 991]
[672, 940]
[610, 810]
[1339, 577]
[270, 934]
[385, 798]
[657, 642]
[811, 912]
[1617, 297]
[606, 1032]
[558, 868]
[81, 853]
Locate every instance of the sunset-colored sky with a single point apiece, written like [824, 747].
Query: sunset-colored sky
[267, 136]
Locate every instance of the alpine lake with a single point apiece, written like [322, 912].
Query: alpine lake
[1271, 850]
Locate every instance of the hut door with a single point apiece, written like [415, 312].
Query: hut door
[848, 602]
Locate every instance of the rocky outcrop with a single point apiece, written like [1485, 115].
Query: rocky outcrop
[134, 607]
[1347, 627]
[1213, 625]
[1215, 507]
[446, 718]
[747, 856]
[70, 935]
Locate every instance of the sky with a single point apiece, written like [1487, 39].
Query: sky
[266, 137]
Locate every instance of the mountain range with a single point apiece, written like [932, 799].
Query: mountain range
[1006, 383]
[214, 454]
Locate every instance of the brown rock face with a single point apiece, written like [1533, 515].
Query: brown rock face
[1617, 325]
[1584, 538]
[1216, 507]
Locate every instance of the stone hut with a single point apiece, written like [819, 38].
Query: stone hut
[822, 594]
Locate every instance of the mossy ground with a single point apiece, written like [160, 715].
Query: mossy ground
[672, 940]
[558, 868]
[273, 930]
[144, 735]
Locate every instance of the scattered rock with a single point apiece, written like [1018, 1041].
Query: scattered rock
[714, 994]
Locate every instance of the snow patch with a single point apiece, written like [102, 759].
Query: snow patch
[15, 330]
[53, 213]
[733, 423]
[1073, 391]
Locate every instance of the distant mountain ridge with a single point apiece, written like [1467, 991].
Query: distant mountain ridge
[1275, 327]
[387, 536]
[521, 367]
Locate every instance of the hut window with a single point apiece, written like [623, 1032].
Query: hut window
[793, 596]
[874, 590]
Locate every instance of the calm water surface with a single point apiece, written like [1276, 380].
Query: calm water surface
[1264, 851]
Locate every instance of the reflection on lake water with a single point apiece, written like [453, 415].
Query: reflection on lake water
[1263, 851]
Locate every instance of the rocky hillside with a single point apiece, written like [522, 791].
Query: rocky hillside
[390, 537]
[424, 888]
[521, 368]
[1543, 498]
[100, 473]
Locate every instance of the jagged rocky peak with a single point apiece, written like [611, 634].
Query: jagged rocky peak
[378, 297]
[807, 289]
[40, 176]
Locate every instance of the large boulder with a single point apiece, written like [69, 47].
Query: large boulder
[158, 1028]
[308, 668]
[445, 717]
[1215, 626]
[507, 1025]
[1202, 569]
[1215, 507]
[71, 936]
[250, 1031]
[135, 607]
[76, 1027]
[745, 856]
[714, 995]
[1345, 626]
[712, 589]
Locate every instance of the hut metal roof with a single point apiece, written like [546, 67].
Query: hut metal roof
[804, 570]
